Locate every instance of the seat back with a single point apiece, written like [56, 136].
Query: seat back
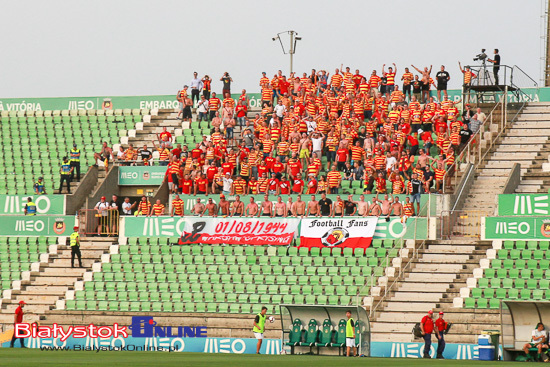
[295, 335]
[312, 331]
[341, 332]
[325, 336]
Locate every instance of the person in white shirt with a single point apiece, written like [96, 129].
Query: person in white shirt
[539, 340]
[202, 108]
[196, 87]
[317, 143]
[227, 183]
[102, 208]
[279, 109]
[127, 206]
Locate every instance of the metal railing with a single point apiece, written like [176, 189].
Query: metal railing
[95, 222]
[403, 268]
[473, 152]
[461, 223]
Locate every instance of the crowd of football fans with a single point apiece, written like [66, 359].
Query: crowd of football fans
[386, 139]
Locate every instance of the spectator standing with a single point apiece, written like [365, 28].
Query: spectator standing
[427, 327]
[18, 319]
[65, 172]
[158, 209]
[196, 87]
[477, 120]
[206, 87]
[75, 162]
[74, 242]
[202, 109]
[105, 156]
[182, 97]
[30, 207]
[102, 208]
[144, 206]
[226, 80]
[442, 78]
[127, 206]
[468, 114]
[178, 207]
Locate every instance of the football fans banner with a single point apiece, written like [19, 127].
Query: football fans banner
[261, 231]
[333, 232]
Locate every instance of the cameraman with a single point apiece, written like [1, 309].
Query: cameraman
[496, 65]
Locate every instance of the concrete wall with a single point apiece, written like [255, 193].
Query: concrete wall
[77, 200]
[107, 188]
[513, 180]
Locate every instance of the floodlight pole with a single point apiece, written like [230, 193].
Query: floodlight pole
[292, 48]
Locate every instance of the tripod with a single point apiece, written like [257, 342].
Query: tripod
[484, 75]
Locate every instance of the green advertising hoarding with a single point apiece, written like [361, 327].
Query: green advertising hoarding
[169, 101]
[523, 204]
[22, 225]
[96, 103]
[165, 226]
[517, 228]
[45, 204]
[141, 175]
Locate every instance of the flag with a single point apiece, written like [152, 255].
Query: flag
[333, 232]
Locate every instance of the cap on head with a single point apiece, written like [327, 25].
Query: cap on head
[75, 228]
[103, 198]
[430, 312]
[22, 303]
[441, 312]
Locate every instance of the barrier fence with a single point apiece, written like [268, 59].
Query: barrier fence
[96, 222]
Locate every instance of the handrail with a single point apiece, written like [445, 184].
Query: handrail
[402, 269]
[469, 149]
[525, 74]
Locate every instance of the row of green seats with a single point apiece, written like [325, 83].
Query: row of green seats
[147, 306]
[514, 283]
[520, 264]
[515, 273]
[522, 245]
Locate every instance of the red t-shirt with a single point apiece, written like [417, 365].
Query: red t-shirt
[342, 155]
[298, 186]
[285, 187]
[186, 186]
[272, 185]
[202, 183]
[196, 153]
[210, 172]
[441, 324]
[428, 323]
[19, 313]
[283, 87]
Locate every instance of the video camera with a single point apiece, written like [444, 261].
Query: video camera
[481, 57]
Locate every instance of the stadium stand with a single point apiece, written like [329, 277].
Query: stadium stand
[52, 134]
[520, 271]
[150, 275]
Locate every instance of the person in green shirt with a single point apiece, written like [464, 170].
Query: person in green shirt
[259, 327]
[350, 335]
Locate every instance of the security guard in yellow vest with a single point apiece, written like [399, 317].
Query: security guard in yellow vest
[65, 171]
[30, 207]
[75, 162]
[75, 247]
[259, 327]
[350, 334]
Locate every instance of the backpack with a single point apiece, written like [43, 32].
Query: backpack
[417, 331]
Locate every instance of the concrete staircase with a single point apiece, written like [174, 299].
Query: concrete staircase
[433, 280]
[48, 282]
[526, 142]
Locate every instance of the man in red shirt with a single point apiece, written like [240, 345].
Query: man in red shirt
[18, 319]
[342, 158]
[441, 326]
[298, 184]
[427, 327]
